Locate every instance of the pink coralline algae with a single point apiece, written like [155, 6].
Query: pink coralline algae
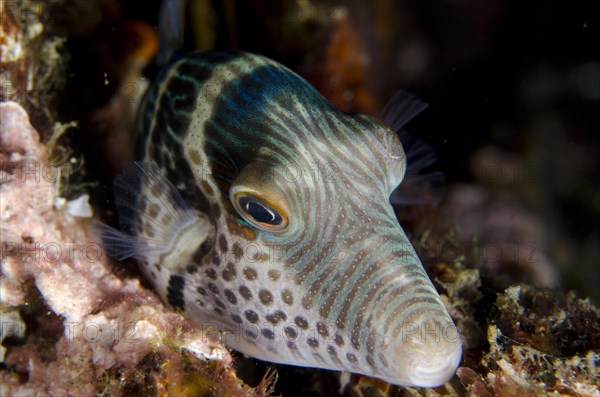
[87, 331]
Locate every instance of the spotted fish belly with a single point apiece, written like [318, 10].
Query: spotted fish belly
[262, 213]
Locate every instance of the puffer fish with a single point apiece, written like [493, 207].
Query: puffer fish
[262, 212]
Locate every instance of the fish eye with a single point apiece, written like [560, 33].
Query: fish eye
[259, 213]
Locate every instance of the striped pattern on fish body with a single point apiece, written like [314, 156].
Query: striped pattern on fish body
[261, 211]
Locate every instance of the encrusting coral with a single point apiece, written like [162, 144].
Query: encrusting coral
[69, 324]
[88, 330]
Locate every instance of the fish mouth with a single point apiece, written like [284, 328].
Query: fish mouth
[435, 370]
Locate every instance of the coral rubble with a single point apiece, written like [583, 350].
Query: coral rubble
[88, 331]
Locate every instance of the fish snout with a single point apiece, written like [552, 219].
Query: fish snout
[428, 352]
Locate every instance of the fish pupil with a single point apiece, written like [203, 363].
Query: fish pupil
[260, 212]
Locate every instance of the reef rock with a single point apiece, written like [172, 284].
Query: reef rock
[84, 331]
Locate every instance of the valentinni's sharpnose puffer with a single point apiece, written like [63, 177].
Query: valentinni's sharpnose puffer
[259, 209]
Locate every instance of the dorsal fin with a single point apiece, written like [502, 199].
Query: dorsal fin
[416, 188]
[419, 155]
[402, 108]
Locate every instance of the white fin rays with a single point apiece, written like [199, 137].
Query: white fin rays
[152, 215]
[402, 108]
[118, 245]
[417, 188]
